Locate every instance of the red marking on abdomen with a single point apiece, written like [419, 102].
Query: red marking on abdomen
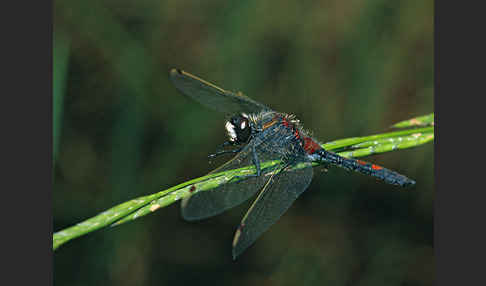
[310, 146]
[361, 162]
[376, 167]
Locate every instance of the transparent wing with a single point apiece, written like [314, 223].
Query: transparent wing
[213, 96]
[212, 202]
[276, 197]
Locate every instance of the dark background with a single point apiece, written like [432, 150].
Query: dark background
[121, 130]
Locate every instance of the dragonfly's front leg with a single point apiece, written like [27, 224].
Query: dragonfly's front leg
[224, 152]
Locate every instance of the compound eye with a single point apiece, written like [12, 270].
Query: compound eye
[244, 130]
[243, 124]
[239, 129]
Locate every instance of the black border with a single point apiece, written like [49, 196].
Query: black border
[27, 141]
[50, 168]
[459, 235]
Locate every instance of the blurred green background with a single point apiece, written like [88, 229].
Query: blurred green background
[121, 130]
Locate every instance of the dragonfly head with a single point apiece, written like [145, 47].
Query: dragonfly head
[238, 129]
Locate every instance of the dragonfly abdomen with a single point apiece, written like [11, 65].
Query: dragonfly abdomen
[386, 175]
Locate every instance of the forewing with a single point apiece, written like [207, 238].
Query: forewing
[213, 96]
[276, 197]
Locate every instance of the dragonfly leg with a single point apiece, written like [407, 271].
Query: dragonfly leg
[256, 162]
[226, 143]
[221, 152]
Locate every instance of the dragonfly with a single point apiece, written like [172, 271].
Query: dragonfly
[257, 134]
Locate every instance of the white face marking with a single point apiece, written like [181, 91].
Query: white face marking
[230, 128]
[243, 125]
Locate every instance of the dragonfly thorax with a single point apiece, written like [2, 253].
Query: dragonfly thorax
[238, 129]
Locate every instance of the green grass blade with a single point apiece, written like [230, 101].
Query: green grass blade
[351, 147]
[349, 142]
[417, 121]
